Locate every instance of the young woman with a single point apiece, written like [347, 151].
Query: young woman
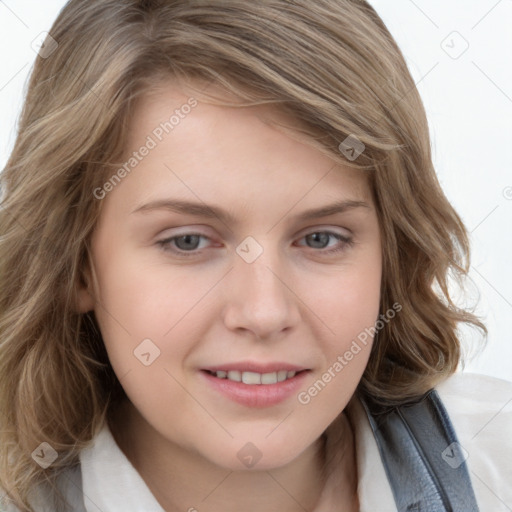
[224, 265]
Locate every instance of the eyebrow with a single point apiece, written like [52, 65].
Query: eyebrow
[211, 211]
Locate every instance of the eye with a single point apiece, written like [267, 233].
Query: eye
[189, 244]
[183, 244]
[321, 239]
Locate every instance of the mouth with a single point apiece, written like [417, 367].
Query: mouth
[256, 385]
[255, 378]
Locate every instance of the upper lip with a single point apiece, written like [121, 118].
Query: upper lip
[251, 366]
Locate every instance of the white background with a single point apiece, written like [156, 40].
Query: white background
[468, 98]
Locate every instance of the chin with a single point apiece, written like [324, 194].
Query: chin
[255, 455]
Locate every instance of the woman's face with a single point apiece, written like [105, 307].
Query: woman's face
[228, 246]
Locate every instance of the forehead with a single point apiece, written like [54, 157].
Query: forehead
[213, 149]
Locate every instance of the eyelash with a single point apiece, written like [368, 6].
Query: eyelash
[165, 245]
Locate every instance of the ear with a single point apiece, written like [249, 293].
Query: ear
[85, 302]
[84, 297]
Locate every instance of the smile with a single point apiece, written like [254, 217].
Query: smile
[254, 378]
[242, 383]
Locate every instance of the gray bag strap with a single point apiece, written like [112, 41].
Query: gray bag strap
[424, 462]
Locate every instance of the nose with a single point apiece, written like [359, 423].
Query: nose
[259, 298]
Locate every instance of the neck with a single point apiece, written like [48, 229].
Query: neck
[340, 490]
[312, 481]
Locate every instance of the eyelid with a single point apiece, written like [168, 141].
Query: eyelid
[323, 228]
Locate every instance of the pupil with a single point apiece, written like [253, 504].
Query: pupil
[190, 240]
[321, 238]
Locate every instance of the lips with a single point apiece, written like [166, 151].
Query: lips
[254, 384]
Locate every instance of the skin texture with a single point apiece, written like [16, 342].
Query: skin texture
[295, 303]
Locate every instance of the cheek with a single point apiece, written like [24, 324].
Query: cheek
[348, 304]
[349, 307]
[142, 298]
[349, 301]
[140, 301]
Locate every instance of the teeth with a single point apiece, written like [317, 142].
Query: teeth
[269, 378]
[235, 375]
[253, 378]
[281, 375]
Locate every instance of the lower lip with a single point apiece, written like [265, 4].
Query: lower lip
[256, 395]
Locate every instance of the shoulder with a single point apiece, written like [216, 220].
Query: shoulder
[474, 385]
[478, 403]
[480, 409]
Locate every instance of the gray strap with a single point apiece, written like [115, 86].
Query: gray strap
[424, 462]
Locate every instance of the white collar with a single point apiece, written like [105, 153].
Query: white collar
[110, 482]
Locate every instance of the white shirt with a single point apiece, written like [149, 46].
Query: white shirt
[479, 407]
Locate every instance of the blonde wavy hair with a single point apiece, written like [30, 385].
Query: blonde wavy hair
[332, 65]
